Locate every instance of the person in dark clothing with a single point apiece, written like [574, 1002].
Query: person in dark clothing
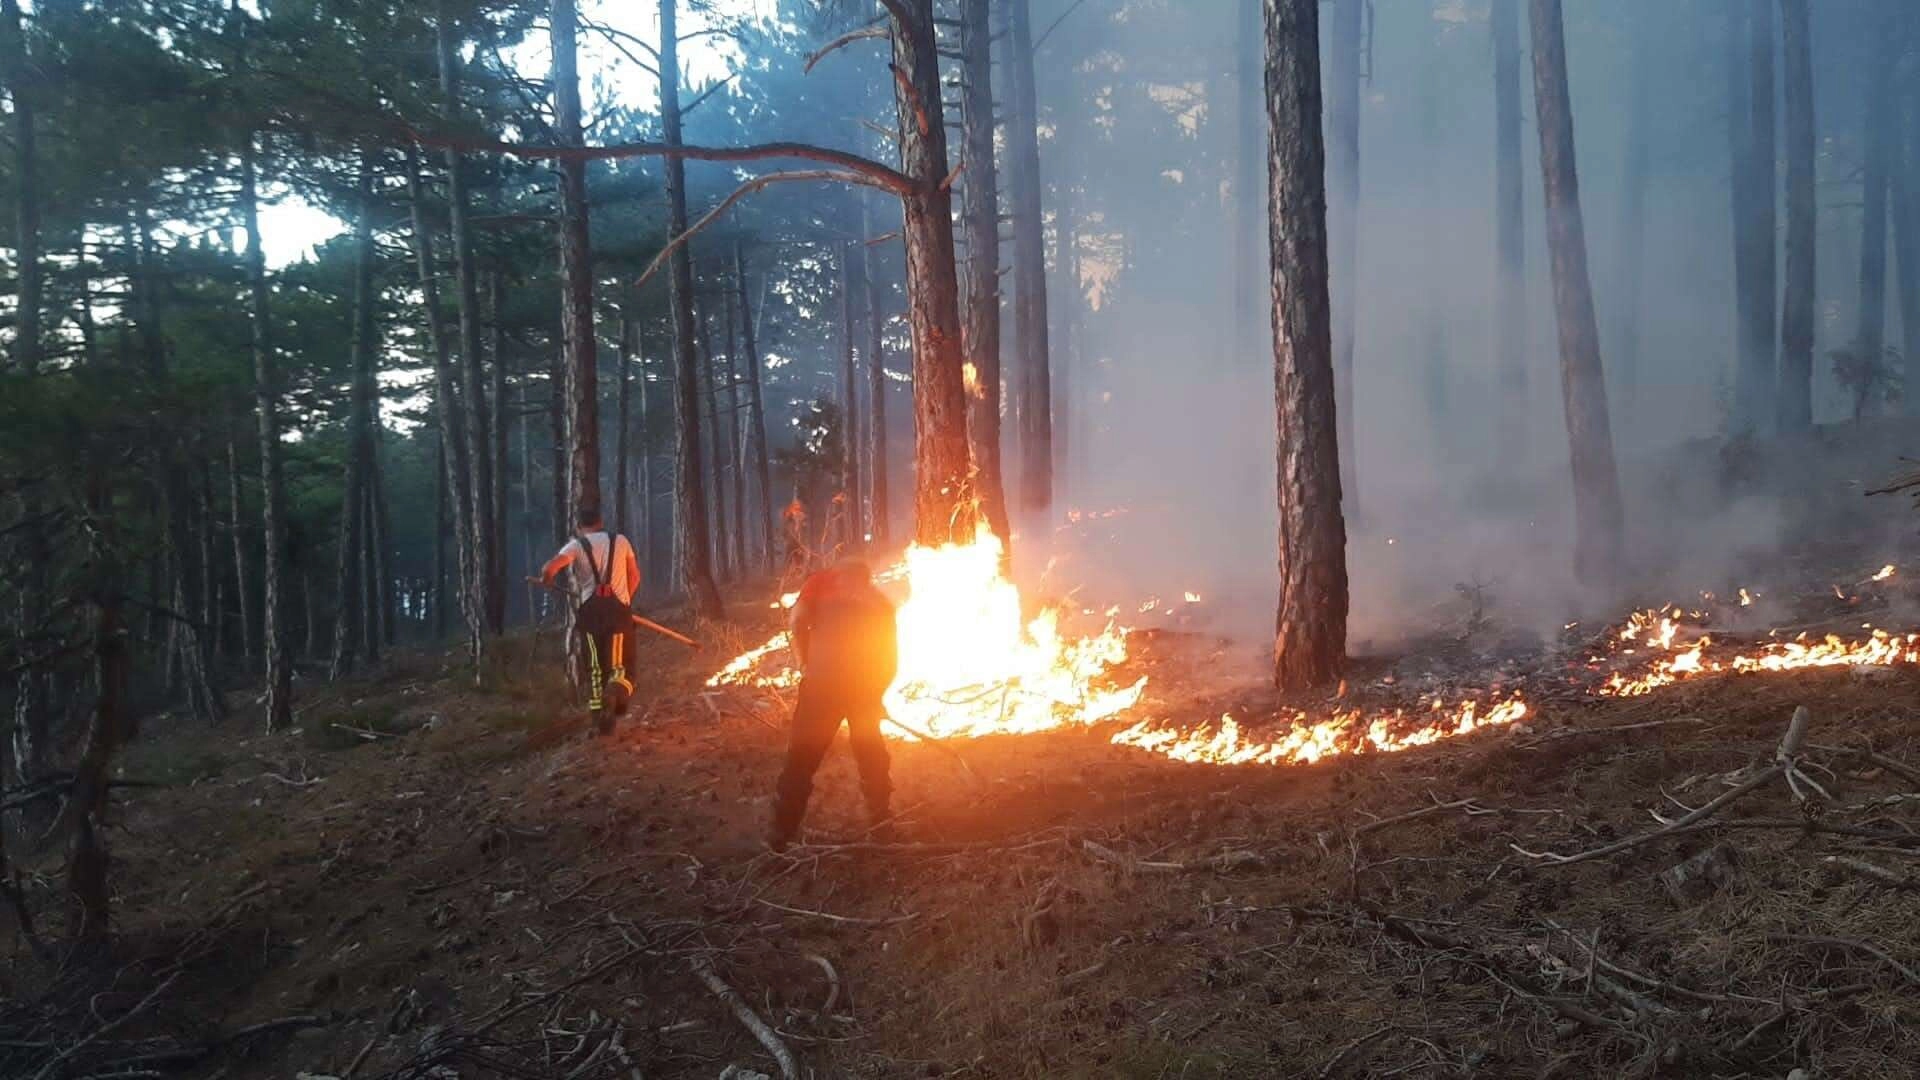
[844, 637]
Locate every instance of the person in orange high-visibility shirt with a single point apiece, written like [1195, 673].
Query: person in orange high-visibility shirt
[844, 637]
[606, 574]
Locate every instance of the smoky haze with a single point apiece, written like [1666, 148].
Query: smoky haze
[1171, 401]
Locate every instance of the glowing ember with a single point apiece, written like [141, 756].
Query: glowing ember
[1885, 573]
[968, 664]
[1193, 597]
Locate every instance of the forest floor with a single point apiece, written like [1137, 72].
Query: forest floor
[428, 878]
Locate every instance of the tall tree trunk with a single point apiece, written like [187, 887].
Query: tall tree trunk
[190, 640]
[1343, 224]
[623, 395]
[1880, 119]
[1795, 398]
[1764, 203]
[486, 564]
[877, 503]
[1249, 195]
[1510, 288]
[275, 623]
[1068, 393]
[576, 273]
[1753, 369]
[692, 546]
[980, 225]
[236, 516]
[348, 591]
[716, 474]
[1029, 264]
[757, 415]
[1906, 240]
[437, 589]
[379, 572]
[643, 461]
[1629, 265]
[1598, 518]
[736, 462]
[448, 408]
[1310, 629]
[30, 748]
[944, 501]
[849, 406]
[497, 407]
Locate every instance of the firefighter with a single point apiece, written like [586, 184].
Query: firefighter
[606, 573]
[844, 638]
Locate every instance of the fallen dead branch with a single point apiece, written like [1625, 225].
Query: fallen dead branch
[844, 920]
[1867, 947]
[1224, 862]
[1785, 757]
[703, 970]
[1879, 875]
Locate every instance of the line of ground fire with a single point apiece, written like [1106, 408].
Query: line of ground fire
[971, 666]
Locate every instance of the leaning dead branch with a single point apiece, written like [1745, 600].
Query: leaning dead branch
[1879, 875]
[1785, 758]
[703, 970]
[844, 920]
[1225, 862]
[1856, 945]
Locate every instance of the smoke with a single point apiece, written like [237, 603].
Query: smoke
[1171, 413]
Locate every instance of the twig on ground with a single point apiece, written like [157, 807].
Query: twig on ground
[1879, 875]
[846, 920]
[1681, 824]
[1898, 768]
[833, 982]
[703, 970]
[1354, 1055]
[107, 1028]
[1867, 947]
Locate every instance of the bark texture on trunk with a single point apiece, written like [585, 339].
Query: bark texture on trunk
[1795, 398]
[692, 546]
[485, 561]
[29, 745]
[762, 473]
[980, 225]
[576, 274]
[1880, 122]
[350, 577]
[1764, 203]
[1311, 626]
[1752, 248]
[1629, 265]
[736, 463]
[878, 500]
[849, 405]
[620, 518]
[945, 506]
[1343, 221]
[448, 408]
[1029, 264]
[1906, 240]
[1598, 517]
[236, 516]
[1510, 289]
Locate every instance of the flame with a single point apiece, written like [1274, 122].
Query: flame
[970, 377]
[1308, 741]
[1884, 573]
[1661, 630]
[969, 665]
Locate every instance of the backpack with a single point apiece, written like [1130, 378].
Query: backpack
[603, 613]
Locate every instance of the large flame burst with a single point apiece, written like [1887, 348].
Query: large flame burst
[971, 666]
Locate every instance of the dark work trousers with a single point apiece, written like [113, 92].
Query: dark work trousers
[816, 719]
[604, 657]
